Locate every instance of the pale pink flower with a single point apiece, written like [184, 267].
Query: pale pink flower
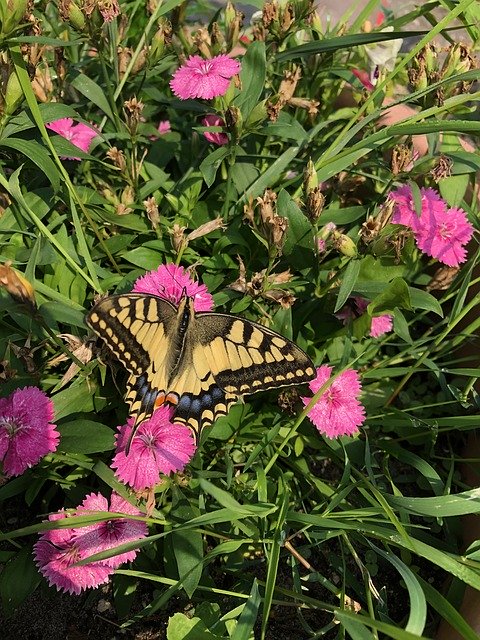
[364, 78]
[216, 137]
[380, 324]
[109, 9]
[170, 282]
[26, 430]
[338, 411]
[200, 78]
[79, 134]
[164, 127]
[159, 446]
[446, 236]
[107, 534]
[56, 552]
[439, 232]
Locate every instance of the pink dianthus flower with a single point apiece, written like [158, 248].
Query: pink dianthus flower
[200, 78]
[380, 324]
[164, 127]
[159, 446]
[216, 137]
[108, 534]
[169, 282]
[26, 430]
[79, 134]
[56, 552]
[439, 232]
[338, 411]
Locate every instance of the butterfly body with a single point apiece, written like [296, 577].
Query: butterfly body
[199, 362]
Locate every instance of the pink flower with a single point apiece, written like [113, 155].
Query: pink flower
[79, 134]
[380, 324]
[364, 78]
[108, 534]
[109, 9]
[446, 236]
[159, 446]
[217, 137]
[56, 552]
[199, 78]
[164, 127]
[405, 213]
[169, 282]
[439, 232]
[26, 430]
[338, 411]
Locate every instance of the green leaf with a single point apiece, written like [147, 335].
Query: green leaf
[244, 629]
[143, 257]
[286, 127]
[18, 579]
[78, 397]
[35, 152]
[395, 294]
[453, 189]
[187, 544]
[210, 165]
[252, 77]
[93, 92]
[85, 436]
[349, 278]
[400, 326]
[299, 232]
[439, 507]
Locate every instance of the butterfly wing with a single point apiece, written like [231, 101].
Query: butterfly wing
[245, 357]
[138, 331]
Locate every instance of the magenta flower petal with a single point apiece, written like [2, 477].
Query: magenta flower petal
[81, 135]
[380, 325]
[164, 127]
[26, 431]
[216, 137]
[56, 552]
[404, 211]
[446, 236]
[200, 78]
[169, 282]
[338, 411]
[106, 535]
[159, 446]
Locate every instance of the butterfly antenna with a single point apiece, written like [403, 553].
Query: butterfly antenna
[132, 435]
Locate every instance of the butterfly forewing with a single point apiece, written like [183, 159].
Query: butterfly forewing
[245, 357]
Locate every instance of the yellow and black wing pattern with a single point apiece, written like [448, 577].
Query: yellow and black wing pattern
[199, 362]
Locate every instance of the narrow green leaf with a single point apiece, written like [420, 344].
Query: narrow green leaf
[187, 544]
[35, 152]
[349, 278]
[252, 77]
[210, 165]
[93, 92]
[244, 629]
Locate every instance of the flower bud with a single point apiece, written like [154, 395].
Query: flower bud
[233, 23]
[344, 244]
[71, 12]
[11, 14]
[234, 121]
[310, 180]
[17, 286]
[162, 38]
[13, 94]
[314, 204]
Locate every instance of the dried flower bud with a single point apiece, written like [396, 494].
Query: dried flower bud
[117, 157]
[233, 23]
[179, 242]
[204, 229]
[203, 42]
[287, 18]
[17, 286]
[161, 39]
[267, 205]
[314, 203]
[270, 13]
[442, 279]
[402, 158]
[133, 112]
[234, 122]
[276, 230]
[442, 169]
[344, 244]
[151, 209]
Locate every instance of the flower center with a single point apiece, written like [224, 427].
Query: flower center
[149, 440]
[205, 68]
[11, 426]
[444, 231]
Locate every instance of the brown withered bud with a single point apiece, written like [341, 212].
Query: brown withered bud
[442, 279]
[234, 121]
[314, 203]
[240, 284]
[203, 42]
[25, 354]
[161, 39]
[270, 13]
[374, 224]
[287, 19]
[179, 242]
[133, 113]
[310, 106]
[151, 209]
[205, 229]
[233, 23]
[288, 401]
[442, 169]
[42, 84]
[267, 205]
[217, 37]
[17, 286]
[82, 349]
[6, 371]
[249, 212]
[284, 298]
[285, 92]
[118, 158]
[276, 232]
[402, 158]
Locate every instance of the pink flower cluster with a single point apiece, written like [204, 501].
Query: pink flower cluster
[338, 411]
[79, 134]
[200, 78]
[440, 232]
[26, 430]
[58, 550]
